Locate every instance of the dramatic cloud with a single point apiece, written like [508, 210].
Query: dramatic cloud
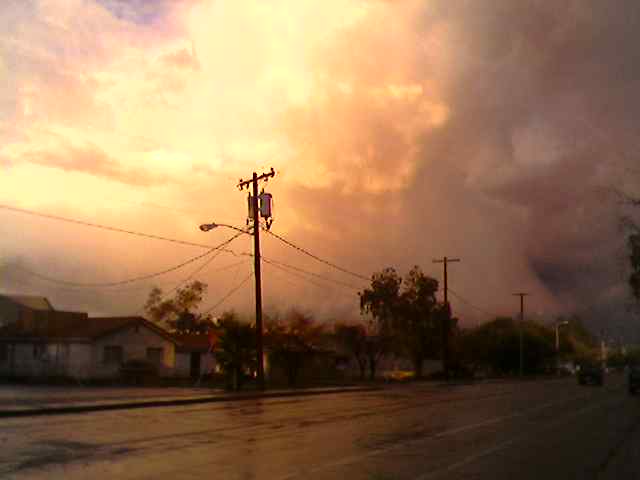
[401, 131]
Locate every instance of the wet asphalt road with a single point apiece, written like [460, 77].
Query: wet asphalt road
[530, 430]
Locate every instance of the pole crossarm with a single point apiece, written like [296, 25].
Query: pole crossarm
[446, 260]
[264, 176]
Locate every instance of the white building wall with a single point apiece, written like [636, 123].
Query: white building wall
[183, 364]
[49, 360]
[79, 363]
[134, 341]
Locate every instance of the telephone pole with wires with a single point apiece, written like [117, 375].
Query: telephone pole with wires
[256, 210]
[446, 327]
[521, 295]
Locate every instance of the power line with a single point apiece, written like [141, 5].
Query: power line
[231, 292]
[315, 257]
[468, 303]
[129, 280]
[301, 270]
[102, 227]
[302, 277]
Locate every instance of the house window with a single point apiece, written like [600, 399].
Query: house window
[4, 353]
[154, 355]
[112, 355]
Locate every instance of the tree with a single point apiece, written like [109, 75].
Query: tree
[292, 340]
[422, 318]
[382, 300]
[235, 350]
[180, 312]
[353, 339]
[407, 312]
[496, 346]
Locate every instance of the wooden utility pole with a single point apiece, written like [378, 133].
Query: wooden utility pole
[256, 266]
[521, 295]
[446, 326]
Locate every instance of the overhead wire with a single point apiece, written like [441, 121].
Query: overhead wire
[469, 304]
[315, 257]
[231, 292]
[306, 272]
[302, 277]
[102, 227]
[133, 279]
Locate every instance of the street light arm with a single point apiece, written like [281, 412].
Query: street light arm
[210, 226]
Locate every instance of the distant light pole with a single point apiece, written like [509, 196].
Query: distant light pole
[558, 325]
[521, 295]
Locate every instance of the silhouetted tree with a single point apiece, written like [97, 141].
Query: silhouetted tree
[353, 339]
[496, 345]
[407, 312]
[180, 311]
[292, 340]
[235, 349]
[420, 324]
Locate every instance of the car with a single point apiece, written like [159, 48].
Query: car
[591, 373]
[633, 378]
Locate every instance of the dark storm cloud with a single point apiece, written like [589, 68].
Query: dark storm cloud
[543, 109]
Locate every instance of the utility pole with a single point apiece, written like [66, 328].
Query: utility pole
[446, 327]
[521, 295]
[256, 266]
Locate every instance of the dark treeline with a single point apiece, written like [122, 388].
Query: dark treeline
[401, 318]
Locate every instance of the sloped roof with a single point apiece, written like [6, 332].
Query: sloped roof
[97, 327]
[30, 301]
[194, 342]
[72, 325]
[49, 324]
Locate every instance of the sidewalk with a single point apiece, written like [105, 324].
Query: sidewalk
[32, 401]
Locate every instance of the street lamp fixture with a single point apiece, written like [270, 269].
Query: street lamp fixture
[205, 227]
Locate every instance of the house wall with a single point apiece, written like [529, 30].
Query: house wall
[134, 341]
[50, 360]
[86, 360]
[183, 364]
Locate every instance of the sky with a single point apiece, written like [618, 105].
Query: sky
[401, 131]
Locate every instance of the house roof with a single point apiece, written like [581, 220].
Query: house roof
[30, 301]
[97, 327]
[50, 324]
[72, 325]
[194, 342]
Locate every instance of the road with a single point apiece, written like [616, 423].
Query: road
[528, 430]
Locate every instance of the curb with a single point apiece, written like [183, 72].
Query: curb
[64, 410]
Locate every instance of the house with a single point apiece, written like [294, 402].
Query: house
[38, 341]
[194, 354]
[16, 308]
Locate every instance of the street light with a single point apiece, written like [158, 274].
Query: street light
[558, 325]
[205, 227]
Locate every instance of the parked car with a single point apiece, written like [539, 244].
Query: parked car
[591, 373]
[633, 378]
